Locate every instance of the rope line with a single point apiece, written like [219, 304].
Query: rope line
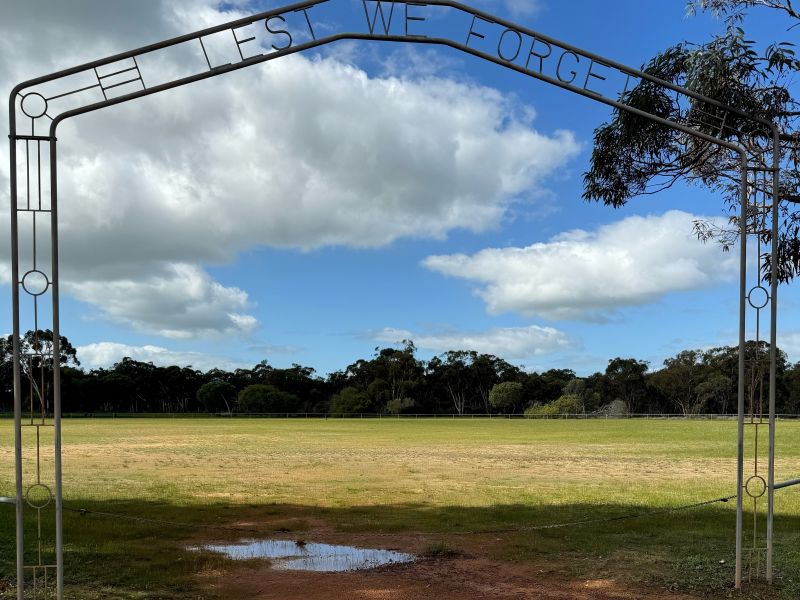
[628, 517]
[581, 523]
[114, 515]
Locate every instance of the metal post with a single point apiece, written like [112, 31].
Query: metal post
[776, 163]
[56, 370]
[17, 382]
[742, 341]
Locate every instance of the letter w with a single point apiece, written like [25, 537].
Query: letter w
[378, 10]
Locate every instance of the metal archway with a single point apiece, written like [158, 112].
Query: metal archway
[38, 106]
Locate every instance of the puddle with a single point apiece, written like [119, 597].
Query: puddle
[288, 555]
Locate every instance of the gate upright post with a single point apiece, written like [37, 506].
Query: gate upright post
[776, 165]
[20, 531]
[56, 369]
[742, 338]
[32, 178]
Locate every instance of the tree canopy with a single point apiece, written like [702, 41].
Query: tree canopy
[633, 156]
[396, 381]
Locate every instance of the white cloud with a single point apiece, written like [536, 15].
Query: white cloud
[175, 301]
[789, 342]
[511, 343]
[350, 160]
[589, 274]
[522, 8]
[105, 354]
[408, 60]
[300, 153]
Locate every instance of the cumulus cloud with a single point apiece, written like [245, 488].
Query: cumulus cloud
[350, 160]
[511, 343]
[175, 301]
[301, 153]
[589, 274]
[105, 354]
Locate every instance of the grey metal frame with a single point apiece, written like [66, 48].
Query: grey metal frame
[119, 78]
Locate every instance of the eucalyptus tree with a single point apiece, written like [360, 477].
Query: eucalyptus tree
[543, 388]
[506, 397]
[216, 396]
[466, 378]
[626, 381]
[390, 376]
[450, 373]
[36, 350]
[679, 380]
[633, 156]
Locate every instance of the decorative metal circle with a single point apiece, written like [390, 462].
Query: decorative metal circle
[758, 297]
[38, 495]
[35, 282]
[34, 105]
[755, 486]
[760, 139]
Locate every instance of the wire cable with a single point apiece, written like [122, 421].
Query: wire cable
[581, 523]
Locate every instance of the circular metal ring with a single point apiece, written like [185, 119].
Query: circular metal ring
[34, 105]
[760, 140]
[755, 486]
[35, 282]
[38, 495]
[758, 297]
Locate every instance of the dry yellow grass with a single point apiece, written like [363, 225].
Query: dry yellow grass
[440, 476]
[435, 462]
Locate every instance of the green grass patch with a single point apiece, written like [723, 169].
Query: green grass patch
[435, 477]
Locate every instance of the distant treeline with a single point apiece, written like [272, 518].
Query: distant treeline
[395, 381]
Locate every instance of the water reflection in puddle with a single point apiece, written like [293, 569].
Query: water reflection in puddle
[295, 556]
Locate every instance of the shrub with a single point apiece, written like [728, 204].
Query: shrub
[396, 406]
[216, 396]
[568, 404]
[615, 408]
[350, 401]
[506, 396]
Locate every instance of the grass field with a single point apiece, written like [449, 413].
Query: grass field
[433, 477]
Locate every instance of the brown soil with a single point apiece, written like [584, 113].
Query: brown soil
[467, 576]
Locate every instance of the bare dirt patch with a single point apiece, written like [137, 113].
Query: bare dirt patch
[468, 575]
[438, 579]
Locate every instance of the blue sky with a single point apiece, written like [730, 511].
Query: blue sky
[311, 209]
